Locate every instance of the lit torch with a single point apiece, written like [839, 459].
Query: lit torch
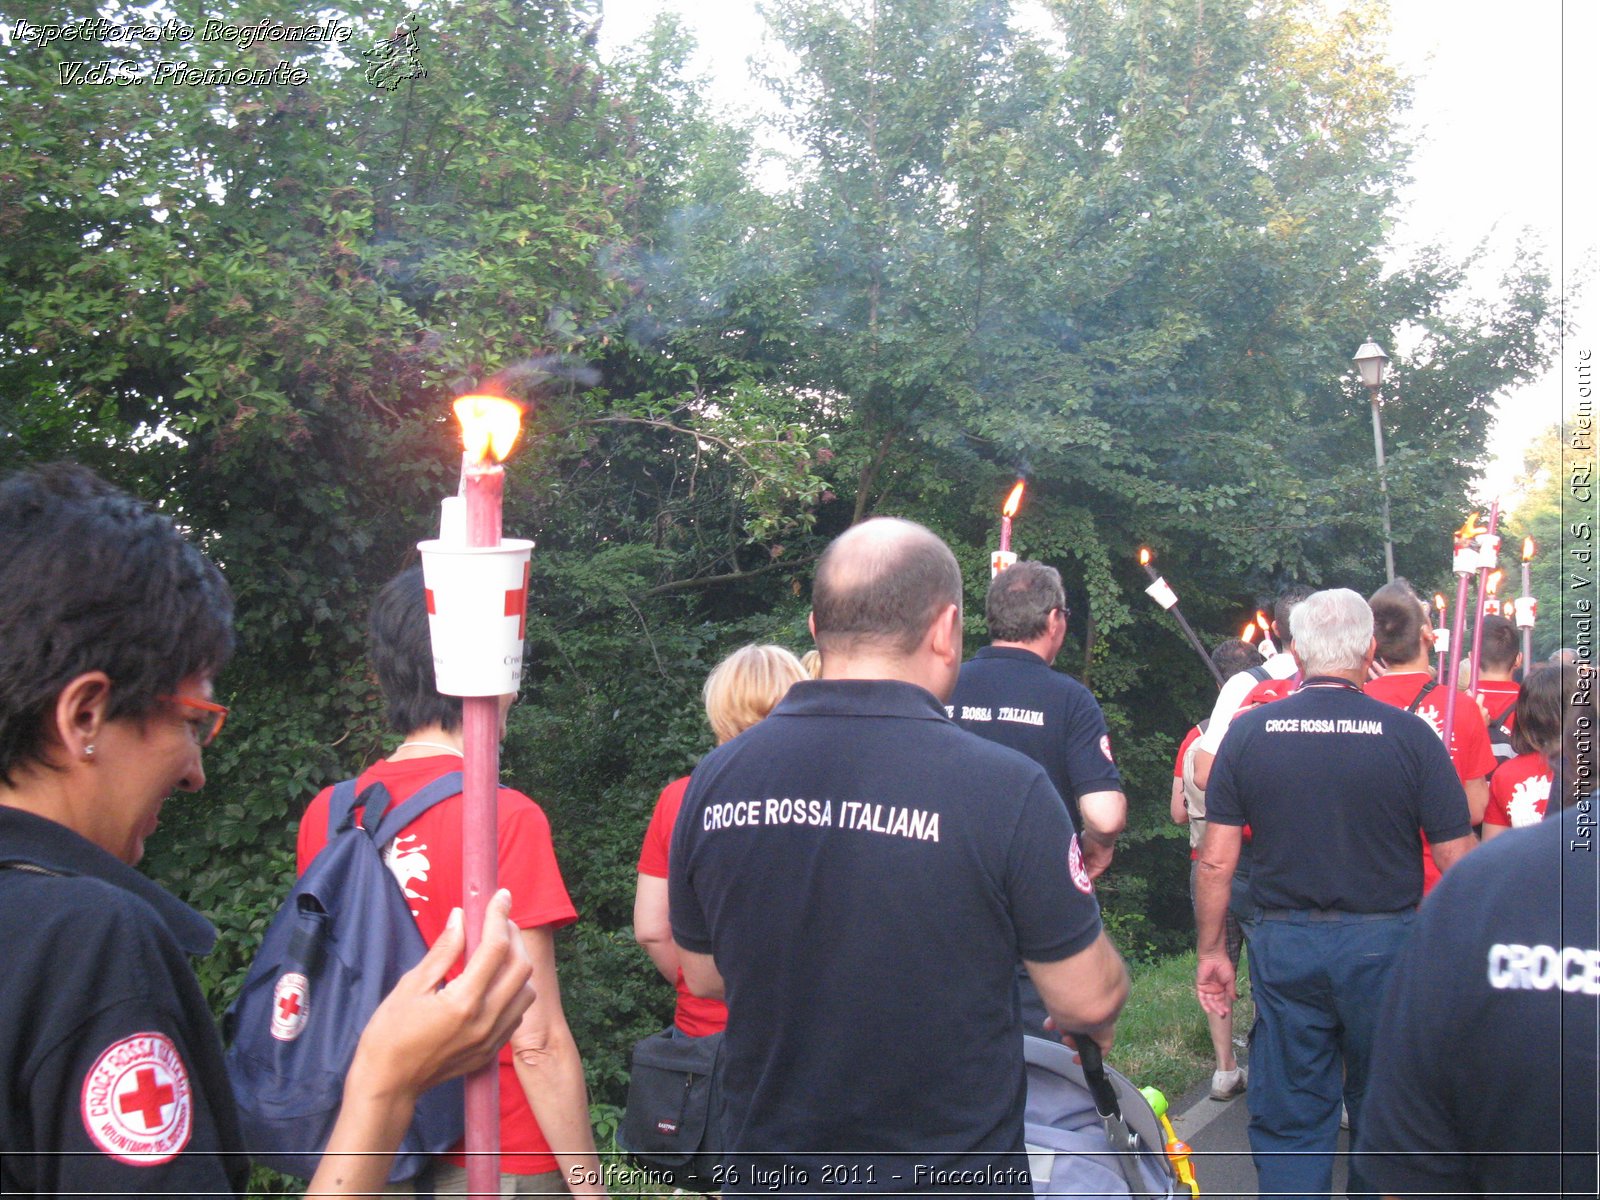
[1268, 647]
[1491, 606]
[1247, 635]
[1526, 607]
[1003, 557]
[1488, 559]
[477, 595]
[1161, 592]
[1441, 635]
[1464, 563]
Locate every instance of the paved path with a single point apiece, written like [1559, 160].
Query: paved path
[1216, 1132]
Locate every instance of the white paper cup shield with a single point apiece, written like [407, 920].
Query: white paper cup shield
[999, 561]
[477, 615]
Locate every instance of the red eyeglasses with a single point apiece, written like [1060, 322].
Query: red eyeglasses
[205, 728]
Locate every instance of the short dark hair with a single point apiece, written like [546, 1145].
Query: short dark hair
[92, 579]
[1397, 620]
[1021, 599]
[1232, 655]
[401, 651]
[1500, 648]
[880, 583]
[1537, 727]
[1294, 594]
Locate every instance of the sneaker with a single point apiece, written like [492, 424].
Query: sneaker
[1227, 1084]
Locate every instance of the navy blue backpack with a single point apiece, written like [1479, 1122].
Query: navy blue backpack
[337, 946]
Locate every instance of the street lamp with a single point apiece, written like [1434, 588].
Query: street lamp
[1371, 361]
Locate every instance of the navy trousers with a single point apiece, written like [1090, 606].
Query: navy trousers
[1318, 980]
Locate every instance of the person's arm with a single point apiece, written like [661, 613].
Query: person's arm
[1176, 805]
[1203, 759]
[1446, 854]
[550, 1070]
[1477, 799]
[1084, 992]
[652, 925]
[701, 974]
[1105, 815]
[1490, 832]
[421, 1035]
[1214, 983]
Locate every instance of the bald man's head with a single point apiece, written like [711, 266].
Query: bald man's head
[880, 585]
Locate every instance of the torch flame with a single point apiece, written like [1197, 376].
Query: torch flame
[489, 426]
[1470, 530]
[1493, 582]
[1248, 633]
[1438, 602]
[1261, 620]
[1013, 501]
[1144, 556]
[1529, 549]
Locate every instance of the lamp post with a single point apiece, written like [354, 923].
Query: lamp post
[1371, 361]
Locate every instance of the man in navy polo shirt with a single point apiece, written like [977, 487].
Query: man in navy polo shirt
[1009, 694]
[1334, 785]
[857, 877]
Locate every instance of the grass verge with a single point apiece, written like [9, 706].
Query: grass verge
[1161, 1037]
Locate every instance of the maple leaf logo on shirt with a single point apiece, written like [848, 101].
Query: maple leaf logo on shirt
[407, 864]
[1528, 800]
[1432, 718]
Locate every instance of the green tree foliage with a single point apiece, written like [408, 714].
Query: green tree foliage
[253, 304]
[1544, 512]
[1129, 253]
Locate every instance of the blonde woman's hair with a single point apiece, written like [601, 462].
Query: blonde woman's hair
[811, 660]
[746, 686]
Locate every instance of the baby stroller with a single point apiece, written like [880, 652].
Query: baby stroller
[1088, 1131]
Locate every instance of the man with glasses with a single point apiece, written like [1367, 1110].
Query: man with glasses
[1008, 693]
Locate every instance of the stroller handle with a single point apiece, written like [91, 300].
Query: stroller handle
[1094, 1074]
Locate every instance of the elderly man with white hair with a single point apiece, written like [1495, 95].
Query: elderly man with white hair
[1334, 786]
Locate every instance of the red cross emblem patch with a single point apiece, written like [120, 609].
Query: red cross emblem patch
[1080, 873]
[137, 1104]
[291, 1005]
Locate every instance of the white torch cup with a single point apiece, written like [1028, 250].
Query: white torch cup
[477, 605]
[999, 561]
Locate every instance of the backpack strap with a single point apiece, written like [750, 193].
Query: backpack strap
[388, 828]
[1421, 695]
[1499, 723]
[1259, 674]
[342, 808]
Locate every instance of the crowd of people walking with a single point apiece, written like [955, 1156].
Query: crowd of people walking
[873, 887]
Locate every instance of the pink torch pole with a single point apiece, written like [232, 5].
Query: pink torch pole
[489, 425]
[1488, 553]
[1464, 564]
[1441, 636]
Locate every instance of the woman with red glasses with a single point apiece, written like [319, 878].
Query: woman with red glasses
[112, 628]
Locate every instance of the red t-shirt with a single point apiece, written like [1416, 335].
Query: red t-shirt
[1519, 792]
[1470, 750]
[426, 859]
[1183, 748]
[696, 1016]
[1498, 695]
